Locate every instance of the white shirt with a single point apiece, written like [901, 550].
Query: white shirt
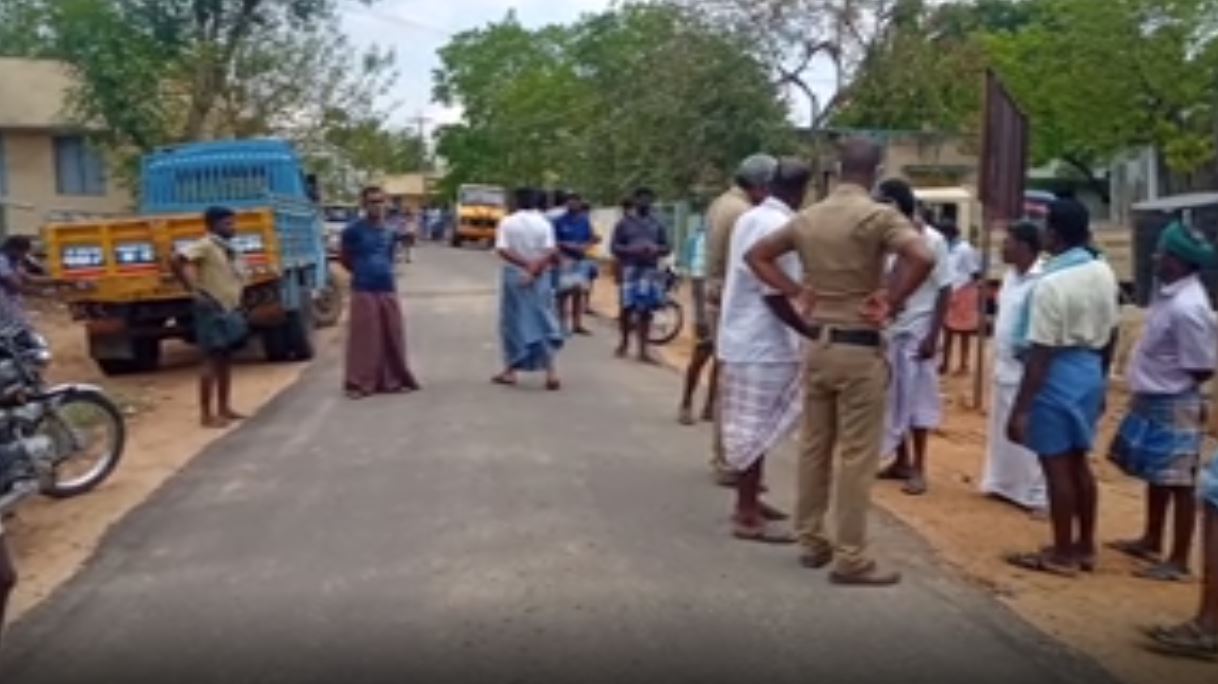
[748, 331]
[1075, 307]
[1180, 335]
[966, 263]
[1008, 369]
[920, 307]
[526, 233]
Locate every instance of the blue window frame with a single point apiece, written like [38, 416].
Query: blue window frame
[79, 167]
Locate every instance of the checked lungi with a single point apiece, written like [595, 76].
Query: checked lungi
[760, 404]
[642, 288]
[1160, 439]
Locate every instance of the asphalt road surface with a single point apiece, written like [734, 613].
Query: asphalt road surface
[474, 533]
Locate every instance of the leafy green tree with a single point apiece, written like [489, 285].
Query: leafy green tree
[644, 94]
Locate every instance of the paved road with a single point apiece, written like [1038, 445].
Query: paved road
[478, 534]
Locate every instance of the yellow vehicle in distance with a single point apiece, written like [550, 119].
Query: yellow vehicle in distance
[480, 208]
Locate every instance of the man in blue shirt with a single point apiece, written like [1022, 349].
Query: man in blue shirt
[640, 241]
[376, 345]
[574, 236]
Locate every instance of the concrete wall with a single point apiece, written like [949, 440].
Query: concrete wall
[29, 159]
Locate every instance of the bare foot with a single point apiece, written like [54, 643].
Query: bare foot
[231, 415]
[213, 423]
[648, 360]
[686, 417]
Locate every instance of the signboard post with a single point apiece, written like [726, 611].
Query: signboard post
[1004, 163]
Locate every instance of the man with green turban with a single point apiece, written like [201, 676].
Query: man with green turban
[1160, 439]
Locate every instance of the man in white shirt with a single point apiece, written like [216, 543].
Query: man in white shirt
[914, 405]
[760, 356]
[1012, 472]
[963, 314]
[528, 320]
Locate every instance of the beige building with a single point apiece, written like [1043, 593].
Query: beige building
[414, 191]
[48, 169]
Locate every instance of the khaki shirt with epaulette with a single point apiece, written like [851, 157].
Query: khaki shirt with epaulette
[721, 218]
[843, 242]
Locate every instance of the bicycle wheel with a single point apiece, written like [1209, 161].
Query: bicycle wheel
[666, 323]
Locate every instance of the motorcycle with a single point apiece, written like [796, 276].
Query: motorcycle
[669, 319]
[61, 441]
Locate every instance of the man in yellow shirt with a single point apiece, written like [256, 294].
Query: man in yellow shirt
[211, 270]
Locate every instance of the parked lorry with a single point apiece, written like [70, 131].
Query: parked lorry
[126, 294]
[480, 208]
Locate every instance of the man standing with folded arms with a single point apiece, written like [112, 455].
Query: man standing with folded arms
[843, 243]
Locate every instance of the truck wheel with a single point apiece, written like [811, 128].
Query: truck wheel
[275, 344]
[145, 358]
[328, 306]
[147, 352]
[299, 330]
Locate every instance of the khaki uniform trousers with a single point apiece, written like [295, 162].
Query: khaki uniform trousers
[844, 413]
[718, 461]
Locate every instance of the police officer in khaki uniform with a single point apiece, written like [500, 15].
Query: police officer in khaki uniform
[843, 243]
[751, 188]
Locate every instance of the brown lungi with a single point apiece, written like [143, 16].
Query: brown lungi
[376, 345]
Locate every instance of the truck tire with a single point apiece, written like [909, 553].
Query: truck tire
[275, 344]
[328, 306]
[145, 358]
[299, 331]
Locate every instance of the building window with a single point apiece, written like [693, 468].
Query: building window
[79, 167]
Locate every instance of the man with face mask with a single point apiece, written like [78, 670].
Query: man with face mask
[640, 241]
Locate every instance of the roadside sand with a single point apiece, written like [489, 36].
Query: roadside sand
[1098, 614]
[52, 539]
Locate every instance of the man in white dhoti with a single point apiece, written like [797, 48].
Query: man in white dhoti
[760, 390]
[914, 405]
[1012, 472]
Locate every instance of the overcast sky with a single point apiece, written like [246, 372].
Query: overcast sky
[415, 29]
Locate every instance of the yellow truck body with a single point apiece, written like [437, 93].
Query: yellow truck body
[480, 208]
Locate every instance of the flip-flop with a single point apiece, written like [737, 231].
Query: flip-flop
[1134, 549]
[1163, 572]
[816, 559]
[870, 576]
[1187, 641]
[894, 474]
[1039, 561]
[915, 486]
[762, 534]
[501, 380]
[772, 514]
[553, 385]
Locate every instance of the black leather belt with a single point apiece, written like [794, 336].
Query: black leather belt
[856, 337]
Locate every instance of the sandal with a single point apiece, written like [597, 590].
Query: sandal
[553, 385]
[505, 380]
[772, 514]
[1134, 548]
[869, 576]
[1164, 572]
[1040, 561]
[815, 559]
[762, 533]
[1187, 640]
[915, 486]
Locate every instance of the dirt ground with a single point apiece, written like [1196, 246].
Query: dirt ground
[1097, 614]
[51, 539]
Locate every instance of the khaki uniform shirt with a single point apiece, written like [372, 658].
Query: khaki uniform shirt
[219, 271]
[721, 218]
[843, 243]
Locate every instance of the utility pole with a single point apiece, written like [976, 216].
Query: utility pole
[421, 121]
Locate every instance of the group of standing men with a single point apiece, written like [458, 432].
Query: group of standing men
[798, 307]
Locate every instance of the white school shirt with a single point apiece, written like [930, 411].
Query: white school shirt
[748, 331]
[1075, 307]
[1012, 298]
[920, 306]
[526, 233]
[966, 263]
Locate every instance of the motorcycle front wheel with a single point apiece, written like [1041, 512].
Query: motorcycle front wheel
[88, 434]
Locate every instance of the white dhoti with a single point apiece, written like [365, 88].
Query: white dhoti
[1011, 471]
[913, 391]
[760, 404]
